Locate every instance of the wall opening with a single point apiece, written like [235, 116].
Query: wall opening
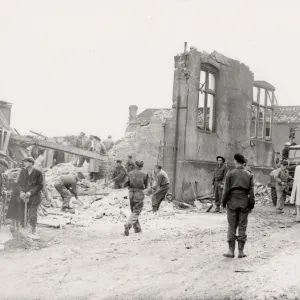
[207, 98]
[262, 113]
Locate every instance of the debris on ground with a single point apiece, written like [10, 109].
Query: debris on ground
[262, 193]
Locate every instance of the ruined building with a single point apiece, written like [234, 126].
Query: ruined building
[217, 109]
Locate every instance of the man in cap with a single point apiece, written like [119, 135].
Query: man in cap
[31, 184]
[66, 185]
[218, 181]
[119, 175]
[281, 176]
[137, 183]
[238, 196]
[285, 151]
[160, 187]
[130, 164]
[108, 143]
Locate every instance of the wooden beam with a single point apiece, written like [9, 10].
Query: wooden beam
[57, 146]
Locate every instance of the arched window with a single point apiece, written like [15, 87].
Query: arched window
[207, 98]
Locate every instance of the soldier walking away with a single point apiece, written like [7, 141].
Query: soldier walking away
[281, 176]
[31, 184]
[66, 185]
[108, 143]
[238, 196]
[137, 183]
[129, 165]
[161, 187]
[218, 181]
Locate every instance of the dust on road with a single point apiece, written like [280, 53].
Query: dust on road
[178, 257]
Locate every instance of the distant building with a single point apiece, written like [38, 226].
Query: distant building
[285, 118]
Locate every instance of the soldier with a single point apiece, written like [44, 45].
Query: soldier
[238, 196]
[31, 184]
[66, 185]
[129, 165]
[218, 181]
[119, 175]
[285, 151]
[281, 176]
[137, 182]
[161, 187]
[108, 143]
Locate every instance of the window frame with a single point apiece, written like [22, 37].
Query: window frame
[265, 107]
[208, 69]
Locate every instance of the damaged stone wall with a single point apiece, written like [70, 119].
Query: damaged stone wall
[144, 137]
[197, 149]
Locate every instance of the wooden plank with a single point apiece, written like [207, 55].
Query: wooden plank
[2, 138]
[6, 141]
[56, 223]
[56, 146]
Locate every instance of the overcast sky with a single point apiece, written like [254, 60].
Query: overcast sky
[76, 65]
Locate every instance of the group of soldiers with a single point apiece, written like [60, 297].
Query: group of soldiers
[233, 190]
[28, 186]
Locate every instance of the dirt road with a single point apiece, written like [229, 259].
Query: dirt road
[176, 257]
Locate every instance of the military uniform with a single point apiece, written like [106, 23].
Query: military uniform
[119, 177]
[238, 196]
[162, 187]
[129, 166]
[137, 182]
[218, 182]
[280, 177]
[64, 184]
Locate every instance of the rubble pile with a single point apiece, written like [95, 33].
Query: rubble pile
[111, 208]
[124, 144]
[262, 193]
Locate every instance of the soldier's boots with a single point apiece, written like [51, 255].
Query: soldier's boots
[217, 209]
[33, 230]
[33, 235]
[230, 253]
[137, 230]
[241, 245]
[126, 230]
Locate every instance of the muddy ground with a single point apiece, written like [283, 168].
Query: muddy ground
[178, 256]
